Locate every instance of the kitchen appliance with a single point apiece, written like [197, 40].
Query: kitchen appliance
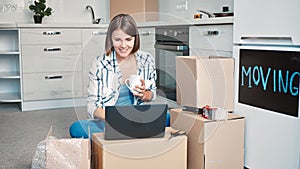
[224, 13]
[170, 42]
[267, 54]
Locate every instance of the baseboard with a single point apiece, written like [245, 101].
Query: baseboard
[51, 104]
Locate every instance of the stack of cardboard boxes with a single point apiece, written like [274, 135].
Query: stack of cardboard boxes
[212, 144]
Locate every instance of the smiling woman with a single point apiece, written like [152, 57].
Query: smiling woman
[108, 74]
[123, 44]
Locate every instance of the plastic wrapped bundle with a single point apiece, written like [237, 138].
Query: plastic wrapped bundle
[53, 153]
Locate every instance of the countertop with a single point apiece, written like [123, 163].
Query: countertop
[204, 21]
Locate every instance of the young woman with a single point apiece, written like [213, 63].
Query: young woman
[108, 74]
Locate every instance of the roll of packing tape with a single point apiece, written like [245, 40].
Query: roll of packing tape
[197, 16]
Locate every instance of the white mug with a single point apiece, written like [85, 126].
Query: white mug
[132, 81]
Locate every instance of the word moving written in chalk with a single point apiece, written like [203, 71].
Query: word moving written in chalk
[280, 81]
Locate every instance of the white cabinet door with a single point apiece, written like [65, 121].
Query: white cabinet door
[59, 85]
[93, 45]
[51, 58]
[267, 22]
[147, 37]
[211, 40]
[50, 36]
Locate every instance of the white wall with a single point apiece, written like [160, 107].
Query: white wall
[70, 11]
[169, 10]
[65, 11]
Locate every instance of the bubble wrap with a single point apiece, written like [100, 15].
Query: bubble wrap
[57, 154]
[39, 158]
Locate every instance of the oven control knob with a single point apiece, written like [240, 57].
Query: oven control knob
[175, 33]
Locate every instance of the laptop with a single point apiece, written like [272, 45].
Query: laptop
[135, 121]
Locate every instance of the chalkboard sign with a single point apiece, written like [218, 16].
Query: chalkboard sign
[269, 79]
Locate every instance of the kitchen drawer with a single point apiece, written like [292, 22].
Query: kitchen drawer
[44, 86]
[51, 58]
[50, 36]
[211, 37]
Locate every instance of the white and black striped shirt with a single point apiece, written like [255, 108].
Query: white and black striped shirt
[105, 79]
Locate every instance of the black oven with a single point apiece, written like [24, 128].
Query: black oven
[170, 43]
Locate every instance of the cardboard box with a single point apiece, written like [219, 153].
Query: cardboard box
[140, 10]
[212, 144]
[205, 81]
[149, 153]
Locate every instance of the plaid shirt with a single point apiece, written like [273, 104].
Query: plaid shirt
[105, 80]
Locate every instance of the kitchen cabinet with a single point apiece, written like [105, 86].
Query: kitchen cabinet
[10, 79]
[51, 63]
[140, 10]
[211, 40]
[147, 37]
[93, 45]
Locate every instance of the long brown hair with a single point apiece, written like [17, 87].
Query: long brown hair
[125, 23]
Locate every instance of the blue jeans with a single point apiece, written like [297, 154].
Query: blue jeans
[80, 128]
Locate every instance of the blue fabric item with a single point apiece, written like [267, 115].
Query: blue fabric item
[79, 129]
[125, 97]
[168, 119]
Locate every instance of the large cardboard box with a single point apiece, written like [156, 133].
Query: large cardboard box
[140, 10]
[211, 144]
[149, 153]
[205, 81]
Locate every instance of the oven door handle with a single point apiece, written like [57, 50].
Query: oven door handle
[171, 47]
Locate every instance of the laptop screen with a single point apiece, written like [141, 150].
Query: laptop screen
[135, 121]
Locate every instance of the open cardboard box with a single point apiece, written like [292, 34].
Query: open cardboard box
[205, 81]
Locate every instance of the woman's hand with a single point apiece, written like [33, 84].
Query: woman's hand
[142, 93]
[99, 113]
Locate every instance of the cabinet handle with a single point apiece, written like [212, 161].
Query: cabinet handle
[51, 33]
[211, 32]
[272, 39]
[266, 38]
[53, 77]
[171, 47]
[176, 33]
[98, 33]
[52, 49]
[145, 33]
